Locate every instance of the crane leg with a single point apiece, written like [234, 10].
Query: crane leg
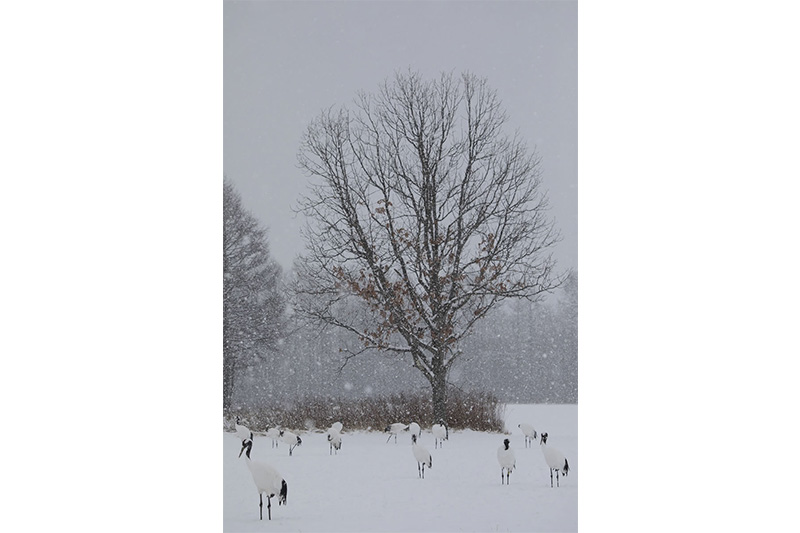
[260, 507]
[269, 507]
[557, 475]
[551, 478]
[390, 438]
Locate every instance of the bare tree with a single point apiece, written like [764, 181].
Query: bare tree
[252, 302]
[425, 213]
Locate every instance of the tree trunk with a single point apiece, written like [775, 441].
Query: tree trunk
[228, 374]
[439, 386]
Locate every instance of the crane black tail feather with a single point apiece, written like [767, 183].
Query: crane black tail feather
[284, 491]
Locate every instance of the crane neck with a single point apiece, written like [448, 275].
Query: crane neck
[247, 449]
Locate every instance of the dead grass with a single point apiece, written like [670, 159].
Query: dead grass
[466, 410]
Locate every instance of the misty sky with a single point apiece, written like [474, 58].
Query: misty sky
[286, 61]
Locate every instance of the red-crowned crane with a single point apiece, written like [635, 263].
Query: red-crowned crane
[530, 433]
[394, 429]
[243, 432]
[555, 460]
[422, 455]
[291, 439]
[507, 460]
[439, 434]
[267, 480]
[414, 429]
[335, 440]
[274, 434]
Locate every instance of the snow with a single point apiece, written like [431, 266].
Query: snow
[374, 486]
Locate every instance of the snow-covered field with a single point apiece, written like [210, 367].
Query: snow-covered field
[374, 486]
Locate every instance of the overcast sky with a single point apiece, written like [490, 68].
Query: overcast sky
[286, 61]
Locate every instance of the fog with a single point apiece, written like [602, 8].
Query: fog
[284, 62]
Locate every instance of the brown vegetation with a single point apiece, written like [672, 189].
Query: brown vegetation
[466, 410]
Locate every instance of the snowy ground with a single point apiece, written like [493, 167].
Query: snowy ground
[373, 486]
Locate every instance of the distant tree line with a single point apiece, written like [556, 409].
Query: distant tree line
[527, 352]
[522, 353]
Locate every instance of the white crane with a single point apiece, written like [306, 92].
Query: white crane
[555, 460]
[507, 460]
[394, 429]
[529, 431]
[268, 481]
[414, 429]
[274, 434]
[440, 434]
[335, 440]
[422, 455]
[243, 432]
[291, 439]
